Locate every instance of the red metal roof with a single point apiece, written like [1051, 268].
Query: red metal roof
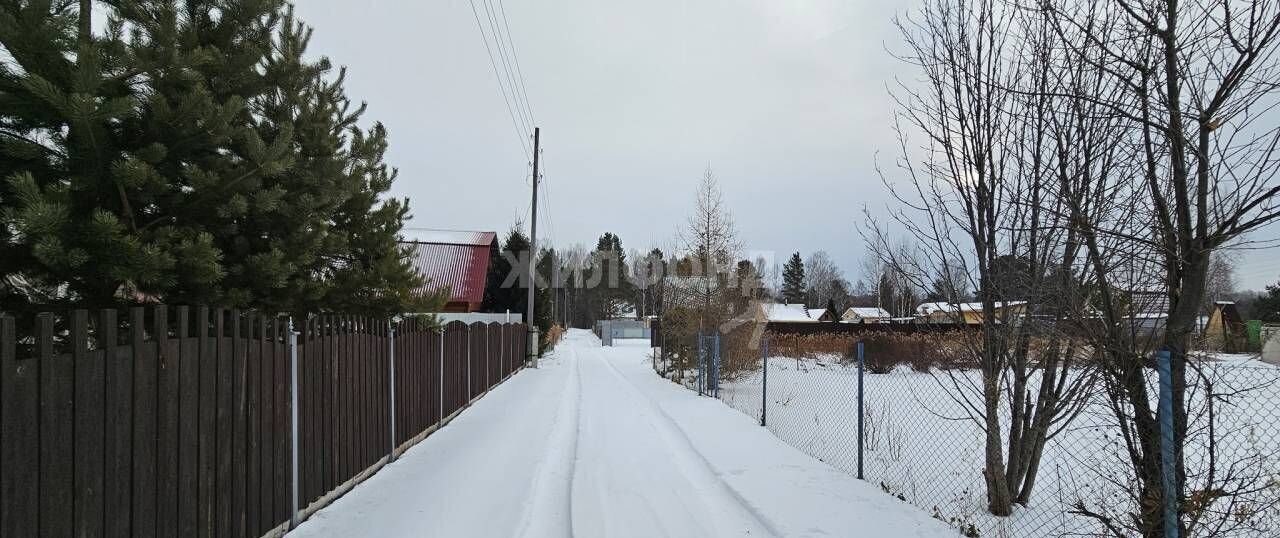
[457, 259]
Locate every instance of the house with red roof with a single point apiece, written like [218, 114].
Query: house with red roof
[455, 259]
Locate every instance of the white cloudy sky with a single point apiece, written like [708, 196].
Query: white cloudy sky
[786, 100]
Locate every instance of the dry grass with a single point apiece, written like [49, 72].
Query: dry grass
[882, 352]
[552, 336]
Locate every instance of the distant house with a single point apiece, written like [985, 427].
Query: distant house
[790, 313]
[1225, 329]
[865, 314]
[1148, 310]
[823, 314]
[967, 313]
[628, 312]
[453, 259]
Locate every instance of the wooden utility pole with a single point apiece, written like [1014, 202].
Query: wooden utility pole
[533, 257]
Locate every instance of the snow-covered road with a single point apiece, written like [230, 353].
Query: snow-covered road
[594, 444]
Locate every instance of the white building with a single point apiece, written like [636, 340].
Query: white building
[865, 314]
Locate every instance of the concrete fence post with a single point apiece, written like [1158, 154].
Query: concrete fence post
[293, 425]
[531, 344]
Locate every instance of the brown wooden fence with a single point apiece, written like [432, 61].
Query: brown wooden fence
[182, 421]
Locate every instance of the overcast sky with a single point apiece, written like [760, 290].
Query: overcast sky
[787, 101]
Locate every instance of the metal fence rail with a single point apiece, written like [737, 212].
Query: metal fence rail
[896, 422]
[201, 422]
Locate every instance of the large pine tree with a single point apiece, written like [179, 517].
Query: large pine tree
[793, 288]
[190, 153]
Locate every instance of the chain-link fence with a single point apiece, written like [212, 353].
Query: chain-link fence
[904, 419]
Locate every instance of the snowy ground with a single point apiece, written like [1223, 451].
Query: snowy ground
[595, 444]
[916, 447]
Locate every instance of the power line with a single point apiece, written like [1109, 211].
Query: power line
[496, 31]
[502, 6]
[545, 201]
[546, 198]
[524, 210]
[519, 134]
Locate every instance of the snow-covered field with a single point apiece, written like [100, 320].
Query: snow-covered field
[593, 443]
[919, 448]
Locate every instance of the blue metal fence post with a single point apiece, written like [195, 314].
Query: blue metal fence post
[764, 391]
[1164, 364]
[715, 365]
[701, 361]
[861, 363]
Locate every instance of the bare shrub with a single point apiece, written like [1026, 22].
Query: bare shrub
[882, 352]
[739, 352]
[552, 336]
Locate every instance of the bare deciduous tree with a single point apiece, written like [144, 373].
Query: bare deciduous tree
[979, 201]
[820, 274]
[710, 241]
[1194, 87]
[1220, 283]
[1089, 157]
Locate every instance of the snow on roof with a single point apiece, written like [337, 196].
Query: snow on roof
[787, 312]
[952, 308]
[817, 313]
[866, 312]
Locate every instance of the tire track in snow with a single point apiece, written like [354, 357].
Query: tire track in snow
[686, 453]
[552, 487]
[577, 439]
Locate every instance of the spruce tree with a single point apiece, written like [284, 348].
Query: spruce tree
[516, 247]
[793, 289]
[615, 291]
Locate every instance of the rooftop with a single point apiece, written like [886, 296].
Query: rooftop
[458, 260]
[795, 312]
